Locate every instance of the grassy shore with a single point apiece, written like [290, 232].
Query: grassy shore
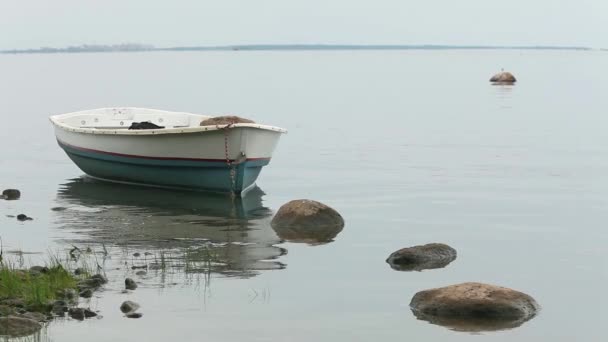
[35, 287]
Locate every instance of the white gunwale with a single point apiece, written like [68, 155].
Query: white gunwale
[58, 120]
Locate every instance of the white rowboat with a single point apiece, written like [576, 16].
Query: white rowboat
[183, 154]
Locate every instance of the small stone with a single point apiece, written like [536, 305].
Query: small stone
[86, 293]
[134, 315]
[93, 282]
[418, 258]
[35, 270]
[79, 271]
[100, 278]
[11, 194]
[13, 326]
[88, 313]
[128, 306]
[76, 313]
[130, 284]
[136, 255]
[23, 217]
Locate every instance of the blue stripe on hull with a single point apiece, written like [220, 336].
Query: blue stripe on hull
[196, 175]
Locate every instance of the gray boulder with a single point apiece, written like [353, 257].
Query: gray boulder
[128, 306]
[11, 194]
[13, 326]
[130, 284]
[418, 258]
[474, 307]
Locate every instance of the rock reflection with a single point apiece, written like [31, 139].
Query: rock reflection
[309, 235]
[171, 231]
[472, 325]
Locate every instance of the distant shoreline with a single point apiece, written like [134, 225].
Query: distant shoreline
[284, 47]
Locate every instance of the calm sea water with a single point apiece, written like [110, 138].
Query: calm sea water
[411, 147]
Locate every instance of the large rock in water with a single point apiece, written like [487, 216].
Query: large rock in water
[18, 326]
[305, 213]
[418, 258]
[225, 120]
[11, 194]
[503, 78]
[474, 307]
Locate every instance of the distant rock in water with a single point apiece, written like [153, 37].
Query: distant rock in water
[225, 120]
[474, 307]
[11, 194]
[23, 217]
[418, 258]
[503, 77]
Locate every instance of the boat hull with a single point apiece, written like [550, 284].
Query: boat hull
[224, 160]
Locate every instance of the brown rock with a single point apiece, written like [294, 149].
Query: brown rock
[17, 326]
[474, 307]
[307, 214]
[225, 120]
[418, 258]
[503, 77]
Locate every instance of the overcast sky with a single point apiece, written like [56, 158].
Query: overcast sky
[57, 23]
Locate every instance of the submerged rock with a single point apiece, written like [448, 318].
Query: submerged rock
[128, 306]
[11, 194]
[225, 120]
[93, 282]
[36, 270]
[6, 310]
[305, 213]
[13, 326]
[76, 313]
[36, 316]
[86, 293]
[474, 307]
[99, 278]
[130, 284]
[418, 258]
[503, 77]
[14, 302]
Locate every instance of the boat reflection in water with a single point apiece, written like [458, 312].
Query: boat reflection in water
[171, 231]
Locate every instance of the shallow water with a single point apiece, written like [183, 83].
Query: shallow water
[410, 146]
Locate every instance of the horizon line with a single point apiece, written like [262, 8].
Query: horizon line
[136, 47]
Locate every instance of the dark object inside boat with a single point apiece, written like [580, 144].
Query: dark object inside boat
[144, 125]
